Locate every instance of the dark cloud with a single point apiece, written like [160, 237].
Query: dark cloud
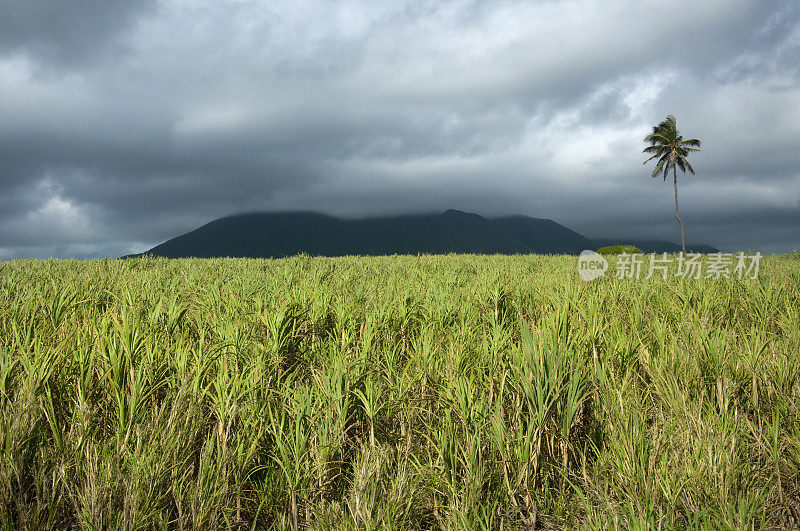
[123, 124]
[68, 33]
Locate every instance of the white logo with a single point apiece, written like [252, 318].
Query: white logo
[591, 266]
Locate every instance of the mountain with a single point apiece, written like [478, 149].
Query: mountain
[274, 235]
[543, 236]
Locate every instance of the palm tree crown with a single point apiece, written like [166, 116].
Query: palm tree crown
[669, 147]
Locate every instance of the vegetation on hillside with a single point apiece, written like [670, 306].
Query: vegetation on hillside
[618, 249]
[402, 392]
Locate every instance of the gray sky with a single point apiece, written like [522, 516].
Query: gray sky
[124, 123]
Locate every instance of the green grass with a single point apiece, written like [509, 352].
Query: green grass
[405, 392]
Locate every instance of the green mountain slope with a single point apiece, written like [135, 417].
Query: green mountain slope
[275, 235]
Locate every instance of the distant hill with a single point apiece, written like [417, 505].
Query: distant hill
[275, 235]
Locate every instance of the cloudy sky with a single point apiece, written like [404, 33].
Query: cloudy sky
[124, 123]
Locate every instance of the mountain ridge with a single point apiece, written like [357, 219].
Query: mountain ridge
[281, 234]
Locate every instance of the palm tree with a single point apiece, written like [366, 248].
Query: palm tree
[671, 150]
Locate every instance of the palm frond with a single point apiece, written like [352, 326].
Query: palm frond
[657, 170]
[651, 158]
[656, 150]
[656, 138]
[688, 165]
[662, 165]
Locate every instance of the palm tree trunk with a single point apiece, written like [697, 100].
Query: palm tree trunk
[683, 240]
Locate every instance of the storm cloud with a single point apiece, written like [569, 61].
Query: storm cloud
[123, 124]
